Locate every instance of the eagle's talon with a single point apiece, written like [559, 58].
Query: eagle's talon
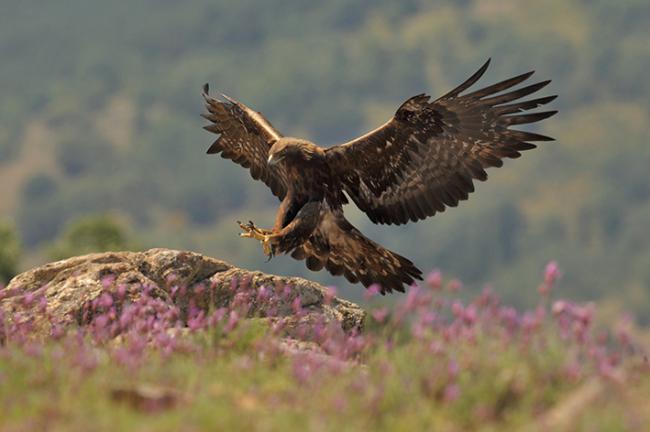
[267, 247]
[261, 234]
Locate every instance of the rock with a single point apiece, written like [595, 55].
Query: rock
[176, 277]
[147, 398]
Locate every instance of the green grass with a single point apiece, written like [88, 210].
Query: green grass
[237, 381]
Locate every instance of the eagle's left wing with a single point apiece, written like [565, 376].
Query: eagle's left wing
[245, 137]
[427, 156]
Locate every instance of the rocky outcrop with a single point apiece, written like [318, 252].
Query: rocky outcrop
[177, 277]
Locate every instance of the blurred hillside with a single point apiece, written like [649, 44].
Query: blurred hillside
[100, 114]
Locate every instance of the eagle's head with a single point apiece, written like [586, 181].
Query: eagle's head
[292, 149]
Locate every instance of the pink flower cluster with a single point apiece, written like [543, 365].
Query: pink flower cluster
[130, 322]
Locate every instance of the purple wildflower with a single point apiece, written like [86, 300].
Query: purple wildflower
[372, 291]
[454, 286]
[559, 307]
[199, 289]
[197, 322]
[296, 306]
[330, 294]
[452, 369]
[42, 305]
[233, 320]
[105, 300]
[551, 273]
[470, 315]
[107, 281]
[28, 300]
[380, 314]
[434, 280]
[451, 393]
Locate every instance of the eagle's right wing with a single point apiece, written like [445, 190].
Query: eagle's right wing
[245, 137]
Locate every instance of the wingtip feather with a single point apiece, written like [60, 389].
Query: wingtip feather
[468, 82]
[229, 99]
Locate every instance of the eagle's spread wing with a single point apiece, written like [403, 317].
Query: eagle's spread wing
[245, 137]
[427, 156]
[341, 248]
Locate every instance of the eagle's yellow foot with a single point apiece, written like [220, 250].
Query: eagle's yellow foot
[261, 234]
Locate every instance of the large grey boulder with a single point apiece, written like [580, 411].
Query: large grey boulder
[177, 277]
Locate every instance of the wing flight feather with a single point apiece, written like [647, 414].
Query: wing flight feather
[428, 155]
[245, 137]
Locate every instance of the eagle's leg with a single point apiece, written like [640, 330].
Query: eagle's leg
[261, 234]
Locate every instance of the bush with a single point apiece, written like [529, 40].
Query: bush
[99, 233]
[78, 156]
[9, 252]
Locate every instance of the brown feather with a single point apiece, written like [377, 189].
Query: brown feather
[427, 155]
[342, 249]
[245, 137]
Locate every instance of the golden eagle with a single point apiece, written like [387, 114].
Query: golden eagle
[423, 159]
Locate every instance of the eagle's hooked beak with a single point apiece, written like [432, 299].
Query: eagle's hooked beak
[273, 160]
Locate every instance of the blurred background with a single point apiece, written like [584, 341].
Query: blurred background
[101, 145]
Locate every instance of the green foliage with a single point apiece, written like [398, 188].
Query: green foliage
[92, 234]
[9, 252]
[43, 212]
[39, 187]
[78, 156]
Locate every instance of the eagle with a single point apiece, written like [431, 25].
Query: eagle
[422, 160]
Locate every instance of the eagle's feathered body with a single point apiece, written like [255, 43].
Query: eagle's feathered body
[422, 160]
